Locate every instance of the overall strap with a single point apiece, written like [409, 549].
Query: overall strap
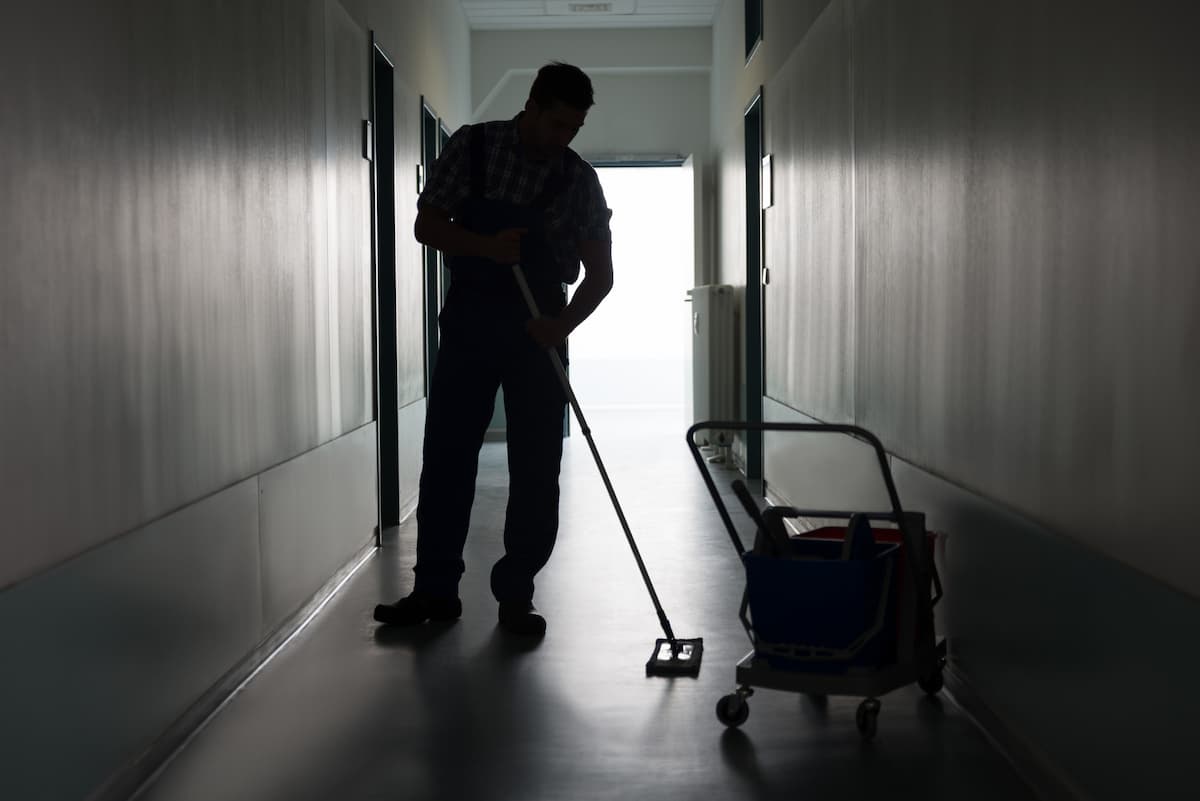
[478, 161]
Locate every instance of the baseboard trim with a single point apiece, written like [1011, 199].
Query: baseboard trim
[129, 781]
[1046, 781]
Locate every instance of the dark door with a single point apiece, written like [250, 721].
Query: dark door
[430, 147]
[754, 293]
[383, 188]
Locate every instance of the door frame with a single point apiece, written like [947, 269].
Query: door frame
[444, 135]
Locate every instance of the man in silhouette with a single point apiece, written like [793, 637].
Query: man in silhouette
[503, 193]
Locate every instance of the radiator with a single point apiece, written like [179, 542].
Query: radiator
[714, 383]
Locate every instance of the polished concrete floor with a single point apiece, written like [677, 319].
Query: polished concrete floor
[350, 711]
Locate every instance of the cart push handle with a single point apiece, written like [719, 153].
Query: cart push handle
[824, 428]
[902, 520]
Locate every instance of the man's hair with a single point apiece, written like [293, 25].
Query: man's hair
[562, 83]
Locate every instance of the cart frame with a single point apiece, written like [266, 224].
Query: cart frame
[929, 653]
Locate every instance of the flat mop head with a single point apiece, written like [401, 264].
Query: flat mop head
[676, 658]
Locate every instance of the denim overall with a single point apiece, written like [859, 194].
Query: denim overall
[484, 345]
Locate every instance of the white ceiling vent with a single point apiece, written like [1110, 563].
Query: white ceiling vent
[563, 7]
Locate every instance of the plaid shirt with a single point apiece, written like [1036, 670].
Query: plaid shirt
[578, 214]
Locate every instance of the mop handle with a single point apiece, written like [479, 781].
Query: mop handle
[587, 433]
[558, 365]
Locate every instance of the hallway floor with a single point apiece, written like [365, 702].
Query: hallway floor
[460, 712]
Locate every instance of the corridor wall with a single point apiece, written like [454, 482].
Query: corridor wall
[981, 250]
[187, 435]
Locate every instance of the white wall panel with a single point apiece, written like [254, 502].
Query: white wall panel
[347, 287]
[167, 325]
[105, 651]
[1028, 261]
[316, 512]
[809, 318]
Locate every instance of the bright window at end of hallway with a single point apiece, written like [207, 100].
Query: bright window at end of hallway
[754, 26]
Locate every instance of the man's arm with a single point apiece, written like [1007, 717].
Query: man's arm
[435, 229]
[596, 256]
[597, 282]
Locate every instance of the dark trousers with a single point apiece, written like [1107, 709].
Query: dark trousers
[484, 346]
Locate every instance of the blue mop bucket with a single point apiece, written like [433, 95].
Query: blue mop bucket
[818, 612]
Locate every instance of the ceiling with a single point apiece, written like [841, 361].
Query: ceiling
[507, 15]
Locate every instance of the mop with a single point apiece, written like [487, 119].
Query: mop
[672, 656]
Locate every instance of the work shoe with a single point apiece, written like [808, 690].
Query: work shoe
[416, 609]
[520, 619]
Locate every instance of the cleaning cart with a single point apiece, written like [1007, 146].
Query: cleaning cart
[837, 602]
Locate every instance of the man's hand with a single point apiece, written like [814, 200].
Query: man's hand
[505, 247]
[548, 332]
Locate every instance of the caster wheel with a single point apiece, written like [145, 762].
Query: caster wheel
[732, 710]
[933, 683]
[867, 718]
